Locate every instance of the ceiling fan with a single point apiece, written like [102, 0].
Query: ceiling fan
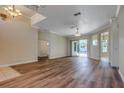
[77, 30]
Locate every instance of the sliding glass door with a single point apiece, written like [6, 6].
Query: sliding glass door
[79, 47]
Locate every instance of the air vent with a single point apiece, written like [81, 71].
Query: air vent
[77, 14]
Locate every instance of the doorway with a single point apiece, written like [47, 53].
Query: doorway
[105, 46]
[43, 47]
[79, 48]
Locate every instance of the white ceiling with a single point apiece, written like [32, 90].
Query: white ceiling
[60, 17]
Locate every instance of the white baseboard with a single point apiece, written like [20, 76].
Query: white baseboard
[121, 75]
[18, 63]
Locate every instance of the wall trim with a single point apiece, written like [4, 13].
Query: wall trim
[121, 75]
[19, 63]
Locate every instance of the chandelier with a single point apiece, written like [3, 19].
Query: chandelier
[12, 11]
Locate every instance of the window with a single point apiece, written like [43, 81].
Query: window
[94, 40]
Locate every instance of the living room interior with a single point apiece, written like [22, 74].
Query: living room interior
[61, 46]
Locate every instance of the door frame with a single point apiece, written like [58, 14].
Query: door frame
[78, 47]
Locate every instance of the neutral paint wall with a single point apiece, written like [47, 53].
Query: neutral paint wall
[121, 41]
[18, 43]
[42, 35]
[58, 46]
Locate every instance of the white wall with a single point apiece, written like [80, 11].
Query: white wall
[18, 43]
[58, 46]
[121, 41]
[43, 36]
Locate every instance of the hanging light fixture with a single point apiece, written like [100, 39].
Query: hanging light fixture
[77, 33]
[12, 11]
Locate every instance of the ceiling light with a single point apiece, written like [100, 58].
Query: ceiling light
[10, 8]
[47, 43]
[18, 11]
[6, 9]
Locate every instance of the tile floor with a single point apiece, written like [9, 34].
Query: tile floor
[8, 73]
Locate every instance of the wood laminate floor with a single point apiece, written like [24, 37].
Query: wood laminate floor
[74, 72]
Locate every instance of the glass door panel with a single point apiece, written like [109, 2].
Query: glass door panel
[83, 47]
[79, 48]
